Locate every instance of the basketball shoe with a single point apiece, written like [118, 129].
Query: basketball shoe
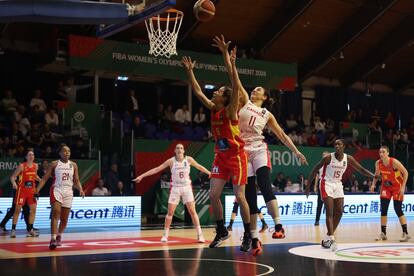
[246, 242]
[32, 233]
[329, 244]
[221, 235]
[256, 247]
[52, 244]
[264, 227]
[405, 237]
[381, 237]
[13, 233]
[164, 238]
[279, 232]
[58, 240]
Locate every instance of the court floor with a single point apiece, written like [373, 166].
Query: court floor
[128, 251]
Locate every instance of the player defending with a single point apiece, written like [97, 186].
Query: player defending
[61, 193]
[180, 188]
[334, 166]
[254, 117]
[394, 178]
[230, 160]
[25, 192]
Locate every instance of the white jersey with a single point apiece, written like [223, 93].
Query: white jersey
[252, 121]
[333, 171]
[64, 174]
[180, 173]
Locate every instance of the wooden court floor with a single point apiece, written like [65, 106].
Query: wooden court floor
[109, 251]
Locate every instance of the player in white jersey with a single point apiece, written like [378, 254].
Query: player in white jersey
[333, 167]
[180, 188]
[317, 190]
[253, 119]
[66, 176]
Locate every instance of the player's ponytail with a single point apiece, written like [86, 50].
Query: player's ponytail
[269, 102]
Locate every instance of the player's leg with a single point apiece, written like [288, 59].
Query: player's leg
[216, 188]
[233, 215]
[7, 217]
[338, 211]
[26, 216]
[251, 197]
[329, 241]
[194, 218]
[56, 210]
[318, 208]
[385, 203]
[264, 224]
[403, 220]
[168, 221]
[32, 216]
[17, 210]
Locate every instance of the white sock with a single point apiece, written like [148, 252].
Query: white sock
[166, 231]
[254, 233]
[54, 236]
[276, 220]
[331, 237]
[198, 229]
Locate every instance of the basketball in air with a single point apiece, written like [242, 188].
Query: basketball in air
[204, 10]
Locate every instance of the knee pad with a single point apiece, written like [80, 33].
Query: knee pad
[263, 181]
[251, 195]
[384, 206]
[398, 208]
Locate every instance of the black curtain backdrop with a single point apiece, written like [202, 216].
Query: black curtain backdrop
[331, 102]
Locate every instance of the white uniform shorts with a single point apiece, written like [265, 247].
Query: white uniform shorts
[62, 195]
[184, 192]
[331, 189]
[257, 159]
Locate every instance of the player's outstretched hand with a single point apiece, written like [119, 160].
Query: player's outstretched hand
[302, 158]
[221, 44]
[188, 63]
[138, 179]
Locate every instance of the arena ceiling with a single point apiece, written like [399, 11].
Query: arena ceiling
[346, 41]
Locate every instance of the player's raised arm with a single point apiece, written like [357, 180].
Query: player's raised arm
[167, 163]
[189, 67]
[355, 164]
[196, 165]
[284, 138]
[234, 97]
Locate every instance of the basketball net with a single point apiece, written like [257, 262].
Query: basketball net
[163, 32]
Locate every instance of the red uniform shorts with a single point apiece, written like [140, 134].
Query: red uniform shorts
[234, 166]
[24, 195]
[391, 192]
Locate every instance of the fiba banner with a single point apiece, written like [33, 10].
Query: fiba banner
[131, 58]
[300, 208]
[87, 212]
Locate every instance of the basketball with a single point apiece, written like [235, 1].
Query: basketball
[204, 10]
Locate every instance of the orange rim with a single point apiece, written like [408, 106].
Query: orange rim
[179, 15]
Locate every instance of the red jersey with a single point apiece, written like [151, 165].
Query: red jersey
[226, 133]
[390, 176]
[27, 177]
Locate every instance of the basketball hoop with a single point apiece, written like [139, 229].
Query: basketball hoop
[163, 34]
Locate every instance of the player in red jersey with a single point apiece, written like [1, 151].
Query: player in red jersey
[230, 160]
[25, 192]
[394, 178]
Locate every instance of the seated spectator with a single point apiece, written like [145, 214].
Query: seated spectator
[280, 182]
[36, 117]
[8, 103]
[112, 177]
[366, 185]
[119, 191]
[330, 125]
[301, 124]
[359, 117]
[200, 117]
[79, 150]
[404, 137]
[313, 140]
[51, 118]
[375, 116]
[15, 135]
[160, 114]
[165, 181]
[389, 121]
[138, 128]
[20, 113]
[303, 139]
[319, 125]
[35, 136]
[48, 152]
[37, 100]
[374, 127]
[131, 103]
[70, 90]
[49, 137]
[291, 188]
[100, 189]
[291, 122]
[169, 114]
[182, 115]
[389, 136]
[11, 151]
